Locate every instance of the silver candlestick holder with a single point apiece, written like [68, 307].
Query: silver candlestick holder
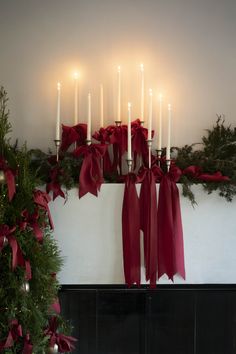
[129, 164]
[118, 123]
[168, 163]
[57, 144]
[149, 144]
[88, 142]
[159, 153]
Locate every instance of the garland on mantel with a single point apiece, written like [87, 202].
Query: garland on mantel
[211, 163]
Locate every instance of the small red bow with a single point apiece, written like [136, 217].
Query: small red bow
[65, 343]
[91, 177]
[10, 178]
[17, 255]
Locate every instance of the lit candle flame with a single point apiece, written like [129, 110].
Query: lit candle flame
[129, 105]
[118, 69]
[141, 67]
[150, 92]
[58, 85]
[76, 75]
[169, 107]
[160, 97]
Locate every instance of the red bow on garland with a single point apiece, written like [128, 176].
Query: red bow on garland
[14, 333]
[17, 255]
[42, 199]
[65, 343]
[54, 184]
[10, 178]
[131, 231]
[196, 172]
[31, 220]
[91, 177]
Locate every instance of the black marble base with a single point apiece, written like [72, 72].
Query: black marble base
[176, 319]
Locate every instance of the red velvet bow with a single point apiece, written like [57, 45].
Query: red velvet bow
[17, 255]
[65, 343]
[103, 137]
[170, 232]
[28, 347]
[31, 220]
[10, 178]
[90, 178]
[70, 135]
[139, 140]
[196, 172]
[131, 231]
[54, 184]
[148, 220]
[42, 199]
[14, 333]
[118, 137]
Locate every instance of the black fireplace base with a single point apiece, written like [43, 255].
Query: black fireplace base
[175, 319]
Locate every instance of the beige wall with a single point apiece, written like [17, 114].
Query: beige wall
[187, 46]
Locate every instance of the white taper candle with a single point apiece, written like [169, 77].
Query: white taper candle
[118, 94]
[168, 132]
[150, 116]
[159, 135]
[89, 118]
[142, 93]
[76, 78]
[58, 121]
[101, 107]
[129, 156]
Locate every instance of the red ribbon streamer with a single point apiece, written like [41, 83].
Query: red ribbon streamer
[170, 233]
[148, 217]
[91, 177]
[131, 231]
[10, 178]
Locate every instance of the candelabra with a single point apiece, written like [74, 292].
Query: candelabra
[129, 163]
[57, 144]
[149, 144]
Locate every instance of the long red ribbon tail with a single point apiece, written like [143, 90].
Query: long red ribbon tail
[178, 232]
[148, 220]
[165, 232]
[131, 232]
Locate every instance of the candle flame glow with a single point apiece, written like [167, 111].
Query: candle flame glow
[160, 97]
[58, 85]
[141, 67]
[129, 105]
[118, 69]
[150, 92]
[76, 75]
[169, 107]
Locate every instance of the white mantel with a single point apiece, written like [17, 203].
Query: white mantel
[89, 235]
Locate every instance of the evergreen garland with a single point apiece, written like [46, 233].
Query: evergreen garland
[25, 315]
